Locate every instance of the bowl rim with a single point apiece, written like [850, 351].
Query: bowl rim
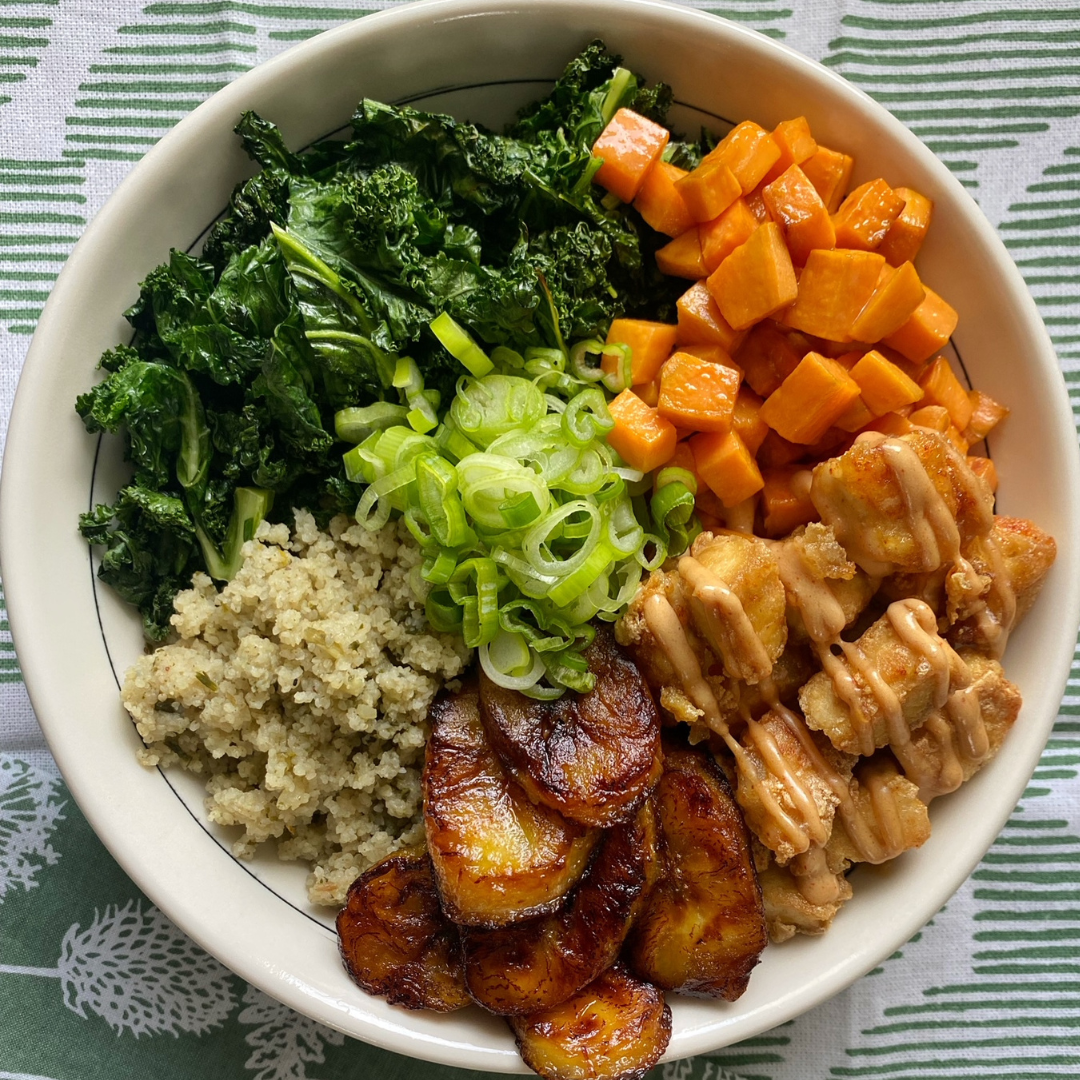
[14, 550]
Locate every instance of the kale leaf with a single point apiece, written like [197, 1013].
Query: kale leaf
[328, 266]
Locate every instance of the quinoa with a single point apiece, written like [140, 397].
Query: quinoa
[300, 691]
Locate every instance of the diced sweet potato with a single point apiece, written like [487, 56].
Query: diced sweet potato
[756, 280]
[721, 236]
[794, 202]
[709, 190]
[865, 216]
[884, 387]
[927, 331]
[986, 414]
[810, 400]
[941, 387]
[650, 345]
[767, 358]
[749, 151]
[701, 322]
[660, 202]
[984, 467]
[898, 293]
[683, 257]
[833, 289]
[630, 145]
[907, 233]
[855, 417]
[746, 420]
[829, 171]
[722, 460]
[698, 394]
[796, 145]
[934, 417]
[785, 499]
[641, 436]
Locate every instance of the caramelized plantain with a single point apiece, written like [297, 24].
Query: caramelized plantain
[703, 926]
[395, 940]
[590, 756]
[498, 857]
[616, 1028]
[534, 965]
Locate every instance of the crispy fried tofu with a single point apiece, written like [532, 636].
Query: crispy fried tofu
[900, 504]
[787, 803]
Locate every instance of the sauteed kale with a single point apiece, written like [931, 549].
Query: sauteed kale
[328, 265]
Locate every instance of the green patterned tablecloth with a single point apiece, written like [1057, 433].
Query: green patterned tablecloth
[96, 983]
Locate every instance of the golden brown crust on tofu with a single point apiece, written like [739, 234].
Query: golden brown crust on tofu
[875, 496]
[760, 789]
[747, 566]
[1016, 571]
[888, 805]
[788, 912]
[907, 672]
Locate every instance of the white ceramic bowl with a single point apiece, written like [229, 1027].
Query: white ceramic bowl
[481, 59]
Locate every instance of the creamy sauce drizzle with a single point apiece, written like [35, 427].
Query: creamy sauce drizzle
[954, 731]
[723, 620]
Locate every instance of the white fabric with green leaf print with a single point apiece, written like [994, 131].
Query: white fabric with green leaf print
[96, 983]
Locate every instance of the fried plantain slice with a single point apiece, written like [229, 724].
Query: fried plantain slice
[498, 857]
[616, 1028]
[534, 965]
[396, 942]
[704, 924]
[590, 756]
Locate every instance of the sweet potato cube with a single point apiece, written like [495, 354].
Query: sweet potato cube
[898, 293]
[721, 236]
[934, 417]
[701, 323]
[833, 289]
[907, 233]
[883, 386]
[630, 145]
[986, 414]
[775, 451]
[713, 353]
[810, 400]
[984, 467]
[682, 257]
[641, 436]
[785, 499]
[865, 215]
[954, 435]
[726, 465]
[767, 358]
[890, 423]
[856, 417]
[697, 394]
[941, 387]
[755, 203]
[796, 145]
[747, 421]
[794, 202]
[927, 330]
[756, 280]
[683, 458]
[829, 171]
[709, 190]
[658, 200]
[649, 392]
[749, 151]
[650, 345]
